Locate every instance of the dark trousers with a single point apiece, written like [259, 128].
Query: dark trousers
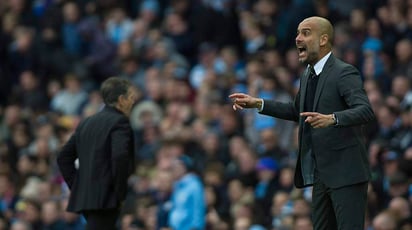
[339, 208]
[101, 219]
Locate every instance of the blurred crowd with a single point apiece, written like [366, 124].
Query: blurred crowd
[185, 57]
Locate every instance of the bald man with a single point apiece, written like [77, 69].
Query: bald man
[331, 108]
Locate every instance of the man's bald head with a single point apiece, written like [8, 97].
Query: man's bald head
[323, 27]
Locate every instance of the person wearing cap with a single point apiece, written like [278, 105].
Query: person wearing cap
[188, 201]
[331, 108]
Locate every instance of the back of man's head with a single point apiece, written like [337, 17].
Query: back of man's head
[112, 88]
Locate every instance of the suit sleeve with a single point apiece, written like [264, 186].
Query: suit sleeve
[351, 89]
[122, 155]
[286, 111]
[66, 159]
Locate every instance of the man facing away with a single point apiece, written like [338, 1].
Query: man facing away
[331, 106]
[103, 144]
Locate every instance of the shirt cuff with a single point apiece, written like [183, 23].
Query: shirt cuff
[336, 119]
[261, 106]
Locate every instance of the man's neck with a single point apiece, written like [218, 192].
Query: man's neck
[118, 107]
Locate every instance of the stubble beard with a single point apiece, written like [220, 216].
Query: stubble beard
[312, 58]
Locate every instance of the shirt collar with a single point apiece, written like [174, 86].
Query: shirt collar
[321, 63]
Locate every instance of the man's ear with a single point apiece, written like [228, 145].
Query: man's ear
[324, 38]
[121, 99]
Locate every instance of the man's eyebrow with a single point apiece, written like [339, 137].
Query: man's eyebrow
[304, 30]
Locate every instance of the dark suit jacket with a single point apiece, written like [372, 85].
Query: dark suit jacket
[103, 143]
[339, 151]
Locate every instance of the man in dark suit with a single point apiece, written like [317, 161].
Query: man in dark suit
[330, 107]
[103, 143]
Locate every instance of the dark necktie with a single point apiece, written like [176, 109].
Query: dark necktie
[308, 162]
[310, 90]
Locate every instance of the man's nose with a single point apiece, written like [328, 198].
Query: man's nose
[298, 39]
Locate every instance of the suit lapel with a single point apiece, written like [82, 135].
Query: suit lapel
[322, 79]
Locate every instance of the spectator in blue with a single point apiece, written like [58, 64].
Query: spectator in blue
[188, 201]
[71, 99]
[119, 27]
[72, 42]
[8, 194]
[267, 170]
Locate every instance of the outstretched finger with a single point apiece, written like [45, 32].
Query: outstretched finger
[311, 114]
[237, 95]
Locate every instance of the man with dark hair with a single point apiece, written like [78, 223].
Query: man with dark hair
[330, 107]
[103, 144]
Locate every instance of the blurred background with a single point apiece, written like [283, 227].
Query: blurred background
[186, 57]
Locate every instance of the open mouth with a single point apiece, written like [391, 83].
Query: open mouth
[301, 50]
